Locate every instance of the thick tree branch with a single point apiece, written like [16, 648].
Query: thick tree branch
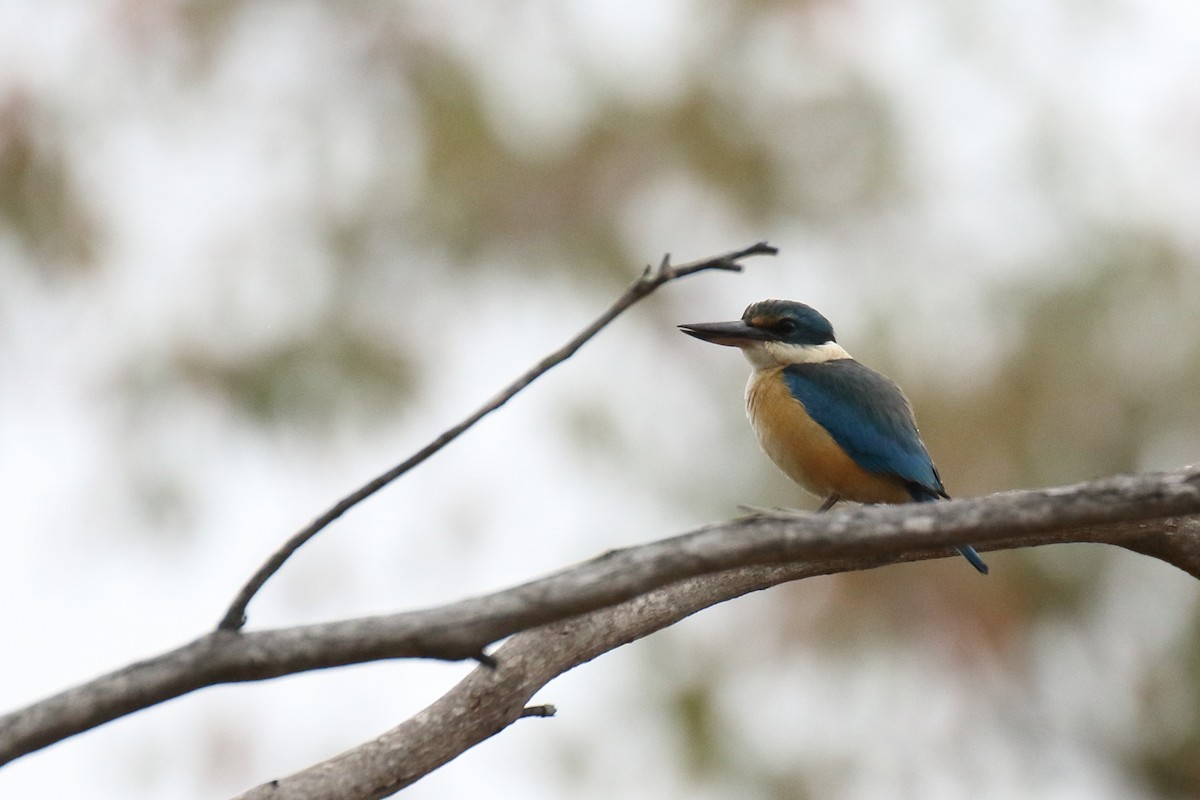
[1147, 513]
[487, 701]
[651, 279]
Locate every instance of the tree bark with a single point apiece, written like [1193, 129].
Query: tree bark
[578, 613]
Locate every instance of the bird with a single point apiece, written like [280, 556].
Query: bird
[839, 429]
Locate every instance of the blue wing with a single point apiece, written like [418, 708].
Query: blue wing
[869, 418]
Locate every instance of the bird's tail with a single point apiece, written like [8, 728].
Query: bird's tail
[971, 556]
[923, 495]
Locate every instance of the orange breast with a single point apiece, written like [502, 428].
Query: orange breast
[805, 451]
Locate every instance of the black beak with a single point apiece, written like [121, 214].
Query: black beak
[730, 334]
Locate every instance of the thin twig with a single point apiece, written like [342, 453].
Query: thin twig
[651, 279]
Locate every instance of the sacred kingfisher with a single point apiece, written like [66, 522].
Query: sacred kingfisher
[839, 429]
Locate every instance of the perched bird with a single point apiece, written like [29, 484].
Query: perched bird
[837, 428]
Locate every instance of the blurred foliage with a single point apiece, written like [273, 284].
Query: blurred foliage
[1103, 357]
[692, 705]
[1170, 739]
[40, 206]
[336, 374]
[1080, 367]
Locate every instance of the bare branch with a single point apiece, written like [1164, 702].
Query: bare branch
[485, 702]
[651, 279]
[1146, 513]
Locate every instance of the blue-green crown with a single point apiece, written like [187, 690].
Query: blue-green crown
[789, 321]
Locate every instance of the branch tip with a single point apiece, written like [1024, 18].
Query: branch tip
[544, 710]
[487, 661]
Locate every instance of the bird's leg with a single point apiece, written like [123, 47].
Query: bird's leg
[829, 503]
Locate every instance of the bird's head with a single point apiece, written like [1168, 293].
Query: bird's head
[775, 333]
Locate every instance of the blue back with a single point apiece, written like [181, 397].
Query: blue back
[869, 418]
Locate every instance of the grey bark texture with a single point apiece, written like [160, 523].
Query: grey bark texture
[571, 616]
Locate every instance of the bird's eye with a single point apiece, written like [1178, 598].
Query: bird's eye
[786, 326]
